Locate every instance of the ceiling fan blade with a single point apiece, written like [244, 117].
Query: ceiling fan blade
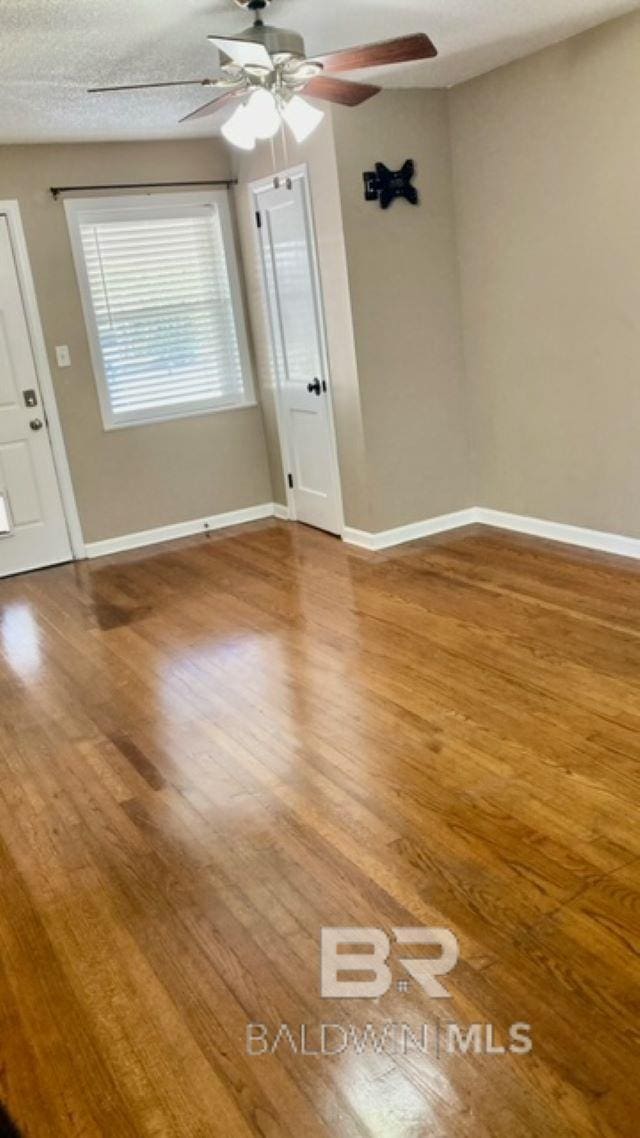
[340, 91]
[149, 86]
[402, 50]
[243, 52]
[213, 106]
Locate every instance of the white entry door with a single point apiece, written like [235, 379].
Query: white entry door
[33, 530]
[284, 219]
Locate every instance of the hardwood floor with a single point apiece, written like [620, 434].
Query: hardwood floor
[211, 750]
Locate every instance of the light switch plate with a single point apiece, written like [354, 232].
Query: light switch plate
[62, 356]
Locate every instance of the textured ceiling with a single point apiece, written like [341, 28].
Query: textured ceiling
[52, 50]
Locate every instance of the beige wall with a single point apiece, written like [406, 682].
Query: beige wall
[547, 176]
[140, 477]
[319, 154]
[404, 293]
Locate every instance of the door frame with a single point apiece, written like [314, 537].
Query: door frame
[300, 171]
[11, 210]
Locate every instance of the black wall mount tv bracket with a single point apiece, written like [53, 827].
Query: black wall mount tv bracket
[386, 185]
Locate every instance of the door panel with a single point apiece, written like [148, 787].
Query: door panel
[18, 480]
[7, 388]
[5, 521]
[296, 302]
[33, 530]
[310, 469]
[293, 300]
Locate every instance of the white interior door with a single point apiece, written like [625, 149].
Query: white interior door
[293, 294]
[33, 530]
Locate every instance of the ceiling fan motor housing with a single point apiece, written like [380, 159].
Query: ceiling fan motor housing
[277, 41]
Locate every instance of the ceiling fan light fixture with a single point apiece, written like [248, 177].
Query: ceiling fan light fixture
[263, 114]
[238, 130]
[301, 118]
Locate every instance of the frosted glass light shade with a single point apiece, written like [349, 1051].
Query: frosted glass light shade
[263, 114]
[301, 117]
[239, 131]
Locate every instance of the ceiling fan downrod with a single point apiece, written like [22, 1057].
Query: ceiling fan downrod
[255, 6]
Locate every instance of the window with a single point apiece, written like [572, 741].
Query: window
[161, 298]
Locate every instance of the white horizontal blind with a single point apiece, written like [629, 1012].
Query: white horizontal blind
[164, 312]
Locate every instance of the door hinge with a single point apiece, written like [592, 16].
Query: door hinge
[290, 481]
[258, 219]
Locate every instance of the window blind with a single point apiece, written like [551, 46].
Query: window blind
[164, 312]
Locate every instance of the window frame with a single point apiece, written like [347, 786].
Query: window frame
[81, 209]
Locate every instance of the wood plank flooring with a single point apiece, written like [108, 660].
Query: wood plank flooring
[212, 749]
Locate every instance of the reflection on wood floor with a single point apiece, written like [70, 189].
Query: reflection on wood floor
[212, 749]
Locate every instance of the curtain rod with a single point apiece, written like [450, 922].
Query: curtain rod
[57, 190]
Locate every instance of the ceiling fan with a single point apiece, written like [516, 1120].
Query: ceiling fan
[267, 69]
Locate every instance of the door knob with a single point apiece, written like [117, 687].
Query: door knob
[36, 424]
[314, 388]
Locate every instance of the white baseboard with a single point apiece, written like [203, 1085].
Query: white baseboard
[517, 523]
[180, 529]
[411, 532]
[557, 531]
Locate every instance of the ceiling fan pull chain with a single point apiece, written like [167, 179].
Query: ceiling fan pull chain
[285, 148]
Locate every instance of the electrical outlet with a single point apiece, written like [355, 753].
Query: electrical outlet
[63, 356]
